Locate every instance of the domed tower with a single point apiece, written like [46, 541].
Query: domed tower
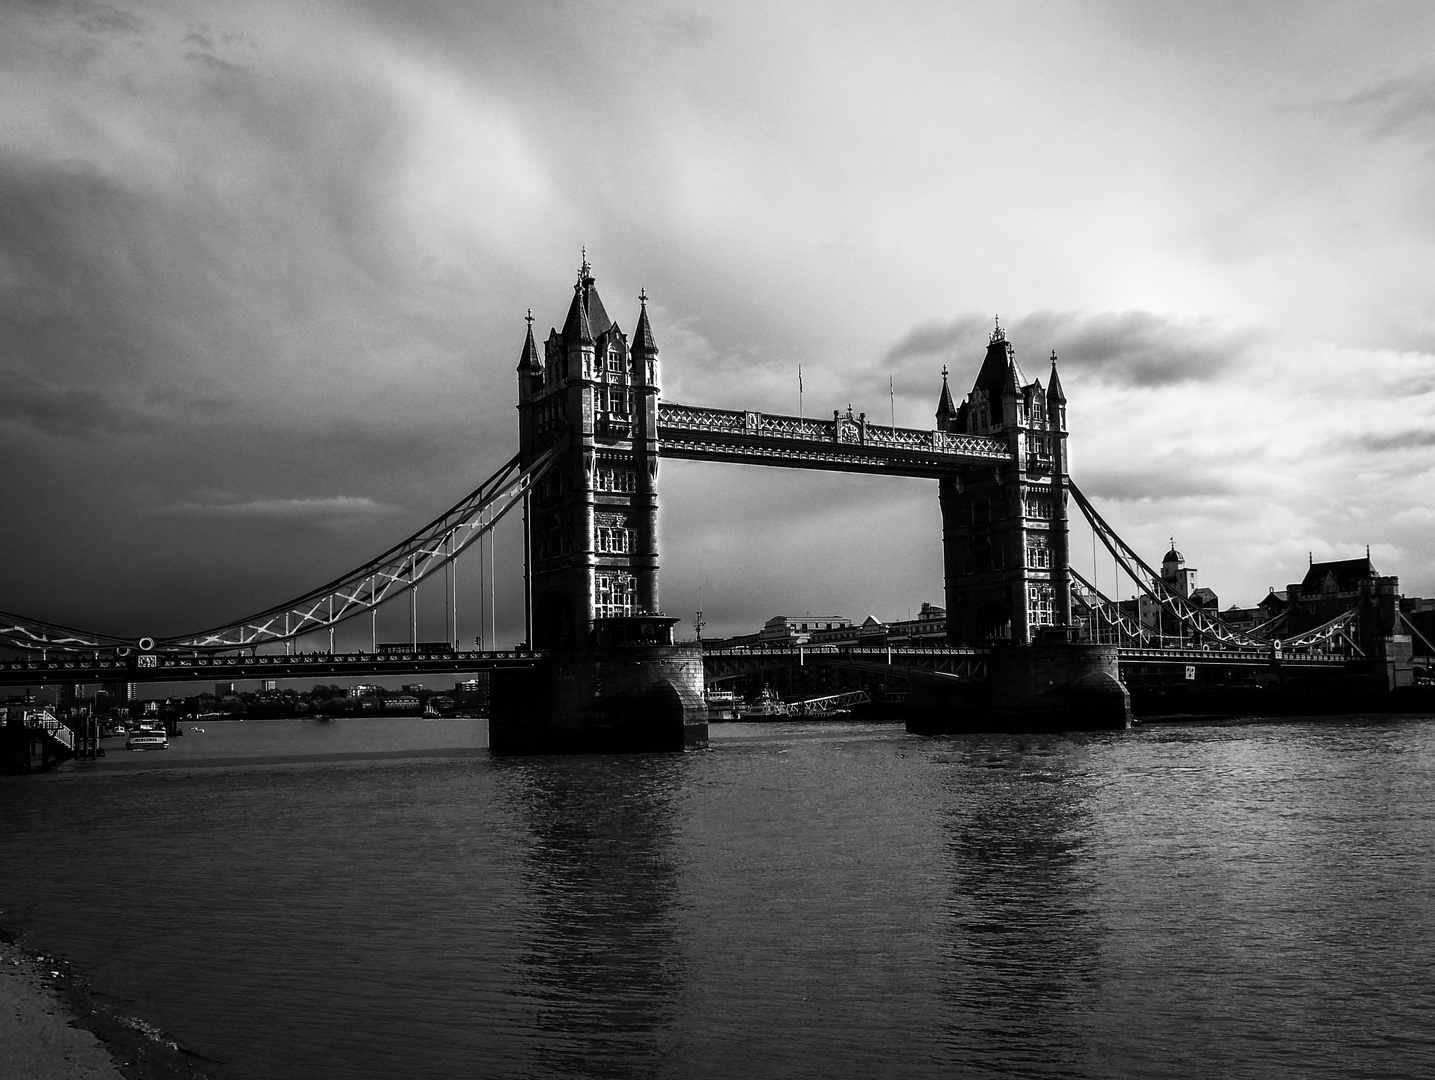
[1176, 574]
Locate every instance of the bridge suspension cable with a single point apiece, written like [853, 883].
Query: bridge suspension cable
[1205, 623]
[400, 568]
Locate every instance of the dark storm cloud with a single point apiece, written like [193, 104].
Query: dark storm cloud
[1156, 480]
[1132, 348]
[64, 412]
[339, 511]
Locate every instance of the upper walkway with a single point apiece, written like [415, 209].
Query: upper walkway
[846, 443]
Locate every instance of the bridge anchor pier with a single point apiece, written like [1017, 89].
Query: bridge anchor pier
[1051, 685]
[629, 692]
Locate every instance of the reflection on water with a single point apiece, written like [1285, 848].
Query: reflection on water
[803, 900]
[602, 952]
[1024, 935]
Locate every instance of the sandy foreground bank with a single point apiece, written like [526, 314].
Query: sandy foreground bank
[51, 1030]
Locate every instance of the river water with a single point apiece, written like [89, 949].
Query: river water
[379, 898]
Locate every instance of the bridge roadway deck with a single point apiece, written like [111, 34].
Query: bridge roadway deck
[179, 668]
[1232, 658]
[718, 664]
[963, 662]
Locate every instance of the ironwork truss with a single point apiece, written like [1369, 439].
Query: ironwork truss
[844, 443]
[1207, 626]
[391, 574]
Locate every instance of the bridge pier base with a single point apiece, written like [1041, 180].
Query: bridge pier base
[1047, 686]
[623, 700]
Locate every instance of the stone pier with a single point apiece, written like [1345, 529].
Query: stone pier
[1046, 686]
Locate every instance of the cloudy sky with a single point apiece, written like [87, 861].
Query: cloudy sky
[264, 266]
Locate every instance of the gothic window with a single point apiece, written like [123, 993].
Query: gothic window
[1040, 605]
[1037, 506]
[981, 512]
[1038, 552]
[984, 559]
[614, 594]
[614, 478]
[616, 541]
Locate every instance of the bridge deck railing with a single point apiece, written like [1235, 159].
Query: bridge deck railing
[699, 420]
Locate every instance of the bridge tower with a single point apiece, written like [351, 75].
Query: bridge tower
[1004, 527]
[608, 676]
[593, 519]
[1008, 571]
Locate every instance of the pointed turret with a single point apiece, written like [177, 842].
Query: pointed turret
[643, 354]
[577, 330]
[528, 362]
[598, 321]
[945, 409]
[643, 335]
[1054, 392]
[999, 373]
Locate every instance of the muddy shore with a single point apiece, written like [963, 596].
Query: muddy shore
[52, 1028]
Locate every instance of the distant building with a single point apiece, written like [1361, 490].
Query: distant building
[1420, 616]
[223, 689]
[929, 626]
[271, 685]
[871, 631]
[1330, 589]
[797, 629]
[472, 693]
[1176, 574]
[120, 693]
[363, 690]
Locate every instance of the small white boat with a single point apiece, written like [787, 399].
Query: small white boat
[767, 704]
[147, 740]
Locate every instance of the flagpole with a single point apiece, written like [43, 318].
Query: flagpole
[892, 400]
[799, 396]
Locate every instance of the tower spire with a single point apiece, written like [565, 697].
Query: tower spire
[1053, 390]
[643, 333]
[577, 330]
[528, 360]
[945, 409]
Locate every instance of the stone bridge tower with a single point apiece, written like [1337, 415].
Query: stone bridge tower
[593, 518]
[1004, 527]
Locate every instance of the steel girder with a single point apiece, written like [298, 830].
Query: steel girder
[382, 579]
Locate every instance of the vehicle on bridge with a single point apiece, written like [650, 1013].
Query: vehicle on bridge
[415, 648]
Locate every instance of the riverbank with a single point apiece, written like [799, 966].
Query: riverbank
[51, 1028]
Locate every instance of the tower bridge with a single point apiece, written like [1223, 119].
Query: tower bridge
[1029, 639]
